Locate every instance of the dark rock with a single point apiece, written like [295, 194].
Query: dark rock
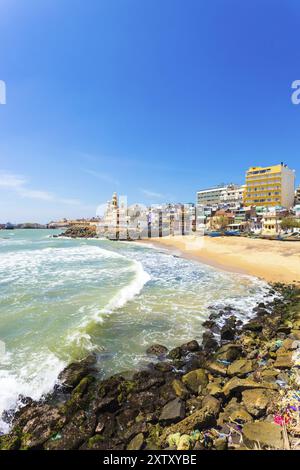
[136, 443]
[195, 379]
[209, 342]
[284, 361]
[240, 367]
[102, 405]
[180, 389]
[262, 434]
[238, 385]
[229, 329]
[147, 379]
[10, 442]
[256, 401]
[164, 367]
[229, 352]
[253, 326]
[211, 405]
[78, 231]
[173, 411]
[209, 324]
[106, 425]
[191, 346]
[175, 353]
[74, 373]
[157, 350]
[216, 368]
[38, 423]
[73, 434]
[234, 412]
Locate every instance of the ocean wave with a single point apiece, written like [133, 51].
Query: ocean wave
[36, 378]
[127, 293]
[120, 299]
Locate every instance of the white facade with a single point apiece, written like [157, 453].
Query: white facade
[287, 187]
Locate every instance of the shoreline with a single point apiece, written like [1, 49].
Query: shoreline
[272, 261]
[222, 394]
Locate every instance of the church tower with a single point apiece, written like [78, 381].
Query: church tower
[114, 201]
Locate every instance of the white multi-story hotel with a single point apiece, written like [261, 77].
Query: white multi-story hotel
[223, 194]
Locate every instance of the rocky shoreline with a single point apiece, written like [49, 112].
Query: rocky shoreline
[78, 231]
[239, 389]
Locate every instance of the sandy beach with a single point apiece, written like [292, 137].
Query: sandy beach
[273, 261]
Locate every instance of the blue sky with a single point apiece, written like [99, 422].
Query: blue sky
[152, 98]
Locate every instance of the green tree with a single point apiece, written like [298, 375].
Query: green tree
[289, 223]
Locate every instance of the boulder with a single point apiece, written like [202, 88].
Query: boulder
[73, 434]
[234, 411]
[229, 352]
[221, 443]
[10, 442]
[253, 326]
[106, 424]
[209, 342]
[211, 404]
[217, 368]
[268, 374]
[200, 419]
[240, 367]
[173, 411]
[262, 434]
[157, 350]
[163, 367]
[239, 385]
[180, 389]
[191, 346]
[290, 344]
[295, 334]
[38, 423]
[284, 361]
[256, 401]
[175, 353]
[74, 373]
[227, 332]
[194, 379]
[136, 443]
[214, 389]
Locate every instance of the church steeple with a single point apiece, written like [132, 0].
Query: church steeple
[114, 201]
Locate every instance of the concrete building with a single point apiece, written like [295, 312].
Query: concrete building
[233, 195]
[297, 196]
[222, 194]
[270, 186]
[271, 223]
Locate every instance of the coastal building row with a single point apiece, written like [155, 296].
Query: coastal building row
[264, 186]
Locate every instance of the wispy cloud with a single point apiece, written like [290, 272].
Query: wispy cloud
[19, 184]
[152, 194]
[103, 176]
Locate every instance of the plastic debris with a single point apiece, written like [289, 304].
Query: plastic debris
[185, 442]
[173, 439]
[196, 435]
[223, 361]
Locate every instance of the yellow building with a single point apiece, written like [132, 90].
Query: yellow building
[270, 186]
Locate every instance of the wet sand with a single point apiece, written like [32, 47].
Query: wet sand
[273, 261]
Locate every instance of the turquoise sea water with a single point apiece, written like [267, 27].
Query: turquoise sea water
[61, 298]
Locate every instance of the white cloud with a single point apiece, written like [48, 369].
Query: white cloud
[19, 184]
[152, 194]
[103, 176]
